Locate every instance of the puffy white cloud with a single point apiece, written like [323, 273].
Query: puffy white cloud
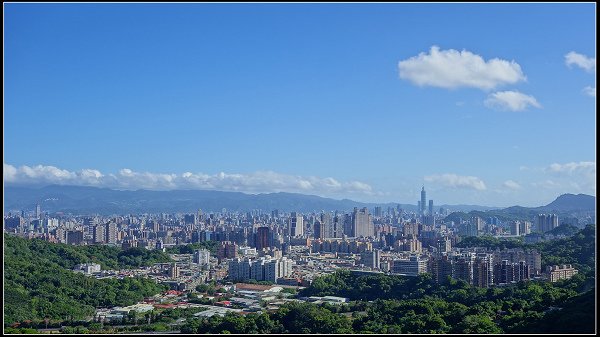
[513, 185]
[590, 91]
[257, 182]
[453, 180]
[453, 69]
[580, 60]
[510, 100]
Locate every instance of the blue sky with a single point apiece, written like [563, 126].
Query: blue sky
[489, 104]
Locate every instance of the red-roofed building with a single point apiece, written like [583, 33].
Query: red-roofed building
[174, 292]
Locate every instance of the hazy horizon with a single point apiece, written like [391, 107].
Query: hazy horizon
[305, 194]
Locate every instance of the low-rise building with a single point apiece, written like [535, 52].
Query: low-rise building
[562, 272]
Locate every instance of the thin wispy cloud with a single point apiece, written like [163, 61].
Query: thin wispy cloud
[454, 69]
[546, 184]
[511, 101]
[590, 91]
[573, 167]
[584, 62]
[582, 169]
[456, 181]
[513, 185]
[256, 182]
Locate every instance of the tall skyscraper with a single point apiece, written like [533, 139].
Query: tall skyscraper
[547, 222]
[296, 225]
[38, 211]
[361, 223]
[430, 207]
[338, 225]
[326, 222]
[262, 237]
[378, 212]
[111, 232]
[423, 200]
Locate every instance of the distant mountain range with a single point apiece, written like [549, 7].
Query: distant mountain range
[92, 200]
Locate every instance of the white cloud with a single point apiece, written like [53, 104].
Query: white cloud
[513, 185]
[453, 180]
[573, 167]
[580, 174]
[580, 60]
[510, 100]
[590, 91]
[454, 69]
[257, 182]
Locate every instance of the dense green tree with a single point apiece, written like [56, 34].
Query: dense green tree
[39, 284]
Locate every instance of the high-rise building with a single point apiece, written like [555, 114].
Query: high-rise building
[189, 219]
[326, 221]
[348, 229]
[337, 227]
[444, 245]
[173, 271]
[111, 232]
[227, 250]
[371, 259]
[74, 237]
[514, 227]
[431, 207]
[440, 267]
[483, 271]
[296, 225]
[15, 222]
[474, 227]
[202, 257]
[263, 269]
[462, 268]
[524, 227]
[377, 212]
[88, 227]
[546, 222]
[503, 272]
[423, 200]
[410, 228]
[262, 237]
[38, 211]
[361, 223]
[317, 230]
[99, 234]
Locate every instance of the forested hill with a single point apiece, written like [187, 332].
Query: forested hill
[39, 282]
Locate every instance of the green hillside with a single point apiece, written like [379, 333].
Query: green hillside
[39, 283]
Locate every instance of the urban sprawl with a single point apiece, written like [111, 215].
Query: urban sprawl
[292, 249]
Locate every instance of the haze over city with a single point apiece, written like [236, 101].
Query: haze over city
[492, 105]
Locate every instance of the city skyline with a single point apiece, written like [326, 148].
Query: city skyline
[361, 101]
